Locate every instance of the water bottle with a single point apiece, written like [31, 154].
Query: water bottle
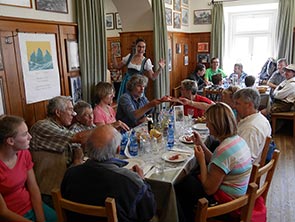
[133, 147]
[170, 135]
[123, 144]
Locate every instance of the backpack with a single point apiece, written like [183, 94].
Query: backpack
[269, 67]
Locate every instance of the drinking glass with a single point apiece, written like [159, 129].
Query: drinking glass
[190, 113]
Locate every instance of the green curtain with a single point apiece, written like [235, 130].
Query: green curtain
[92, 44]
[162, 83]
[217, 33]
[284, 32]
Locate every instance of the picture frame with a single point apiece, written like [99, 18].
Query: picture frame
[109, 21]
[184, 2]
[178, 48]
[118, 21]
[2, 98]
[60, 6]
[177, 5]
[76, 88]
[168, 16]
[176, 20]
[184, 16]
[169, 2]
[202, 17]
[186, 60]
[17, 3]
[72, 55]
[185, 49]
[178, 113]
[170, 46]
[203, 47]
[203, 58]
[117, 48]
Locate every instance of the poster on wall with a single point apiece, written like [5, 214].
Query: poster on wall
[39, 65]
[76, 88]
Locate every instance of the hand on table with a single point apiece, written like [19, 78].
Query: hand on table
[120, 125]
[138, 170]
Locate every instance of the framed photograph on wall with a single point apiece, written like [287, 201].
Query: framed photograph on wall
[72, 55]
[169, 2]
[177, 5]
[2, 99]
[110, 21]
[186, 60]
[60, 6]
[202, 17]
[184, 16]
[168, 16]
[178, 48]
[203, 58]
[116, 46]
[176, 20]
[76, 88]
[203, 47]
[18, 3]
[118, 21]
[185, 49]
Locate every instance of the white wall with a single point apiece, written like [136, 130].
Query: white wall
[32, 13]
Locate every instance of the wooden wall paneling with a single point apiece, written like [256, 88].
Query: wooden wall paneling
[195, 39]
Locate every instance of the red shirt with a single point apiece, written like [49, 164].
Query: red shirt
[197, 112]
[13, 183]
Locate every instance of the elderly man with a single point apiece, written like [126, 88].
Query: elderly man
[241, 75]
[51, 142]
[133, 106]
[278, 76]
[284, 94]
[102, 176]
[253, 127]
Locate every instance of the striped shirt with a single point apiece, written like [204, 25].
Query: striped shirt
[233, 156]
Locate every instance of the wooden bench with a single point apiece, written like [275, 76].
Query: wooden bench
[282, 115]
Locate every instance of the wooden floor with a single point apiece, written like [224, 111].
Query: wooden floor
[281, 197]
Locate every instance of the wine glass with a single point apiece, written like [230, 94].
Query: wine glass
[190, 113]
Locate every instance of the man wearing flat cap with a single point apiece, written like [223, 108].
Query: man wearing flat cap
[284, 94]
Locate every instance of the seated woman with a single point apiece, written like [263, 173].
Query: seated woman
[191, 100]
[103, 112]
[229, 166]
[20, 198]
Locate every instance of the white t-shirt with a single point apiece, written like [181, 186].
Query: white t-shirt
[254, 129]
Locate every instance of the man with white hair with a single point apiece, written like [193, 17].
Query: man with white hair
[103, 176]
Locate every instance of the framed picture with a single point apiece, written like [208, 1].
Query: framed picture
[169, 2]
[60, 6]
[117, 48]
[202, 17]
[186, 60]
[18, 3]
[76, 88]
[110, 21]
[184, 2]
[1, 61]
[118, 21]
[184, 16]
[178, 48]
[203, 58]
[177, 5]
[169, 54]
[178, 113]
[203, 47]
[72, 55]
[176, 20]
[185, 49]
[168, 16]
[2, 98]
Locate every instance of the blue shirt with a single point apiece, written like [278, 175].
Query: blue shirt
[241, 80]
[126, 107]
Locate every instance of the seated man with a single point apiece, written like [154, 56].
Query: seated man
[101, 176]
[284, 94]
[250, 81]
[51, 142]
[253, 127]
[198, 76]
[241, 75]
[133, 106]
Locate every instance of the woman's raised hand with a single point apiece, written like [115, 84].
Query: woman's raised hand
[162, 63]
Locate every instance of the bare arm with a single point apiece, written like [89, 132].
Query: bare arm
[273, 86]
[153, 75]
[116, 65]
[35, 196]
[8, 215]
[198, 105]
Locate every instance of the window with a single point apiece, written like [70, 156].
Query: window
[249, 36]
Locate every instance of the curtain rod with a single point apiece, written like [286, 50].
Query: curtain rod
[214, 1]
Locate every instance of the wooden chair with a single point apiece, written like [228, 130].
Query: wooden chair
[245, 202]
[61, 205]
[282, 115]
[213, 94]
[265, 151]
[263, 175]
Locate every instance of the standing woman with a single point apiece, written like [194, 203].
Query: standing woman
[137, 64]
[20, 198]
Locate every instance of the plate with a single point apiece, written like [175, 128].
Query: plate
[169, 157]
[182, 139]
[132, 162]
[200, 126]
